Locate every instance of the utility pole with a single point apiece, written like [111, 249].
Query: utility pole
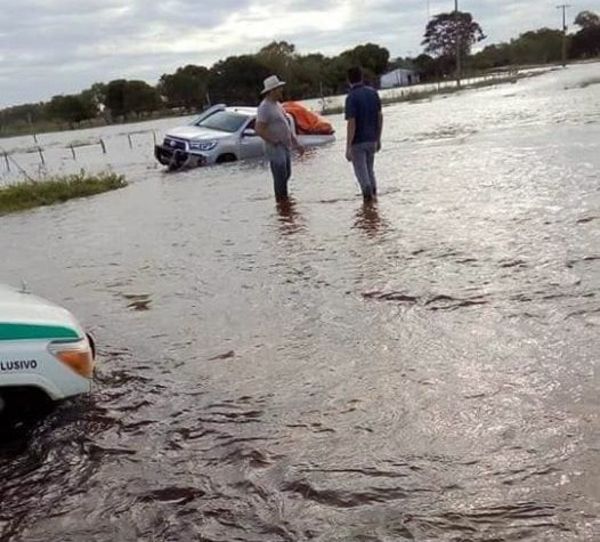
[564, 8]
[458, 45]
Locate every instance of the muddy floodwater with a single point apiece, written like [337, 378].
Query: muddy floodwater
[423, 369]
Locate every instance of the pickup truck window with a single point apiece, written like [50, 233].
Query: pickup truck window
[224, 121]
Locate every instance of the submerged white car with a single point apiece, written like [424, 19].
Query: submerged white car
[44, 352]
[225, 134]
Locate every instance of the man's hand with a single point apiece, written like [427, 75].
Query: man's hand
[349, 153]
[300, 148]
[378, 145]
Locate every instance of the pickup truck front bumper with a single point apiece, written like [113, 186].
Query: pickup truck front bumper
[176, 159]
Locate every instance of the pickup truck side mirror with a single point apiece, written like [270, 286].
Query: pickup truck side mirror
[249, 132]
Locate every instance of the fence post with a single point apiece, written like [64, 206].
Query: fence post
[7, 162]
[35, 139]
[154, 137]
[41, 153]
[102, 144]
[73, 152]
[130, 142]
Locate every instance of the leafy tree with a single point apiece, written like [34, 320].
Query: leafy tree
[309, 76]
[493, 56]
[587, 19]
[443, 31]
[336, 73]
[370, 56]
[140, 97]
[237, 80]
[20, 116]
[280, 58]
[278, 55]
[71, 108]
[115, 97]
[586, 42]
[186, 87]
[537, 47]
[124, 97]
[96, 94]
[426, 66]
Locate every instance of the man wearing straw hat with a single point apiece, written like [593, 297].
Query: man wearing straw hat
[273, 127]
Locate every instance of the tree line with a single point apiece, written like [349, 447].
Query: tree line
[544, 45]
[540, 46]
[238, 79]
[235, 80]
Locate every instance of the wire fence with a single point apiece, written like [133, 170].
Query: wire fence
[38, 159]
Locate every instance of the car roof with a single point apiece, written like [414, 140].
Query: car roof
[243, 110]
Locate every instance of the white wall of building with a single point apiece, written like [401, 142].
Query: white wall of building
[399, 78]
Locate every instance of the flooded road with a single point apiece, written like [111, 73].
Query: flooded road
[423, 369]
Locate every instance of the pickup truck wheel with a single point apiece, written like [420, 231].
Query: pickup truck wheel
[223, 158]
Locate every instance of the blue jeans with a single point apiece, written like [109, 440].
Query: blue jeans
[363, 160]
[280, 160]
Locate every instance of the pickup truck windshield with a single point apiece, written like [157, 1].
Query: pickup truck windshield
[224, 121]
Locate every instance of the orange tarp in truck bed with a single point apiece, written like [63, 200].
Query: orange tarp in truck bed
[308, 122]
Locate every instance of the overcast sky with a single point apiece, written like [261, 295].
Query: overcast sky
[50, 47]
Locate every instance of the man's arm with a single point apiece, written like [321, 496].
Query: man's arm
[379, 121]
[350, 133]
[295, 143]
[350, 114]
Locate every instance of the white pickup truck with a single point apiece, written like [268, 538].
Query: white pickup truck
[44, 352]
[222, 134]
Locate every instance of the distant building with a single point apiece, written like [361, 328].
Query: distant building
[399, 77]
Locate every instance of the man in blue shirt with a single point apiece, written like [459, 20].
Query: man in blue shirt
[365, 123]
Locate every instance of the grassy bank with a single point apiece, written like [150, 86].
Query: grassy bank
[56, 189]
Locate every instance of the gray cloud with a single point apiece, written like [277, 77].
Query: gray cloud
[50, 47]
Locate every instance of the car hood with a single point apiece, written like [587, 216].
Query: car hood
[25, 316]
[196, 132]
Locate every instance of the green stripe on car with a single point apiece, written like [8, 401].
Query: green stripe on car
[23, 332]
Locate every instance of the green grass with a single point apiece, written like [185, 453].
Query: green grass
[56, 189]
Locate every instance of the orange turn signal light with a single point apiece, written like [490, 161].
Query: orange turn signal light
[77, 356]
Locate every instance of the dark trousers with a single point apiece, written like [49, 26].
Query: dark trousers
[280, 160]
[363, 160]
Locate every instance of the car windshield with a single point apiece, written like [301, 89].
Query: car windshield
[224, 121]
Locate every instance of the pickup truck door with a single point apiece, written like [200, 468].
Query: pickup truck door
[251, 145]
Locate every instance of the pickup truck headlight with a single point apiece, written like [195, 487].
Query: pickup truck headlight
[203, 145]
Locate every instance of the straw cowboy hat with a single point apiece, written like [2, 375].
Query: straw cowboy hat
[271, 83]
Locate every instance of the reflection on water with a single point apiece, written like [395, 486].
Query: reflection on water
[422, 368]
[369, 219]
[290, 220]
